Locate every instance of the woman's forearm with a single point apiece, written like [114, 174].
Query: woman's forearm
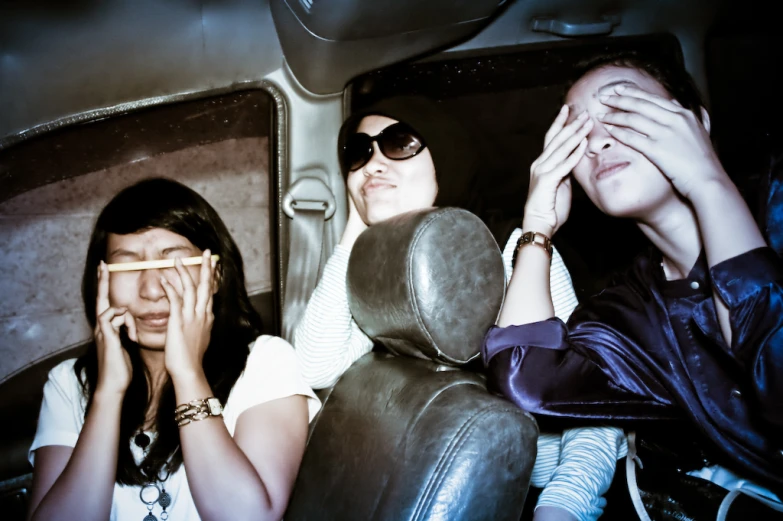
[221, 477]
[528, 298]
[85, 488]
[727, 230]
[727, 227]
[587, 463]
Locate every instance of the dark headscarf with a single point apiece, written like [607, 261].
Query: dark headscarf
[454, 151]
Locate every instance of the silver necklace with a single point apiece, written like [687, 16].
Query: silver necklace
[158, 492]
[153, 492]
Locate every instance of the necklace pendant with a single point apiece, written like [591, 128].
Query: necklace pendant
[164, 500]
[150, 517]
[141, 440]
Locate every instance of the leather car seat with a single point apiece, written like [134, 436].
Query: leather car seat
[408, 434]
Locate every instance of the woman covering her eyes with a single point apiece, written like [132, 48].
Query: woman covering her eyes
[405, 154]
[180, 408]
[693, 330]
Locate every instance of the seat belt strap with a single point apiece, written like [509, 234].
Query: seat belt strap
[309, 203]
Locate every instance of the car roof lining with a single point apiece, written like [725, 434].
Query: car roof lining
[59, 63]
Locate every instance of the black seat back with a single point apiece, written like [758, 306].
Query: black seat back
[401, 439]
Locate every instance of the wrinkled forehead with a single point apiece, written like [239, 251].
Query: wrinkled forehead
[374, 124]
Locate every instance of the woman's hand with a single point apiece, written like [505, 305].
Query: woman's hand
[190, 318]
[667, 134]
[549, 195]
[114, 365]
[354, 227]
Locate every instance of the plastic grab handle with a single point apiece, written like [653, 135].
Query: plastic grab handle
[571, 29]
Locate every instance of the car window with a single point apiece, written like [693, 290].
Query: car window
[218, 146]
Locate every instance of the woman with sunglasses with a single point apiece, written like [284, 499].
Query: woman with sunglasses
[404, 154]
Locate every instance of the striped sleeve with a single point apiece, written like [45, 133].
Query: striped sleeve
[574, 469]
[547, 459]
[327, 340]
[560, 285]
[588, 456]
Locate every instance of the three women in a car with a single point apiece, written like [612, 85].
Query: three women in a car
[404, 154]
[694, 328]
[178, 376]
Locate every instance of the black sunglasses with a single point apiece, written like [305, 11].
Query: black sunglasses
[396, 142]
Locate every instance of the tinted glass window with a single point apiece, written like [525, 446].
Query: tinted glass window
[54, 185]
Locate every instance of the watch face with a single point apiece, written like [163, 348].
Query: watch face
[214, 406]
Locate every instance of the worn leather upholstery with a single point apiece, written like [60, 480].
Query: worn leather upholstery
[401, 439]
[427, 283]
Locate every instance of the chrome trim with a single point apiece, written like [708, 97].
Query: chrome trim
[133, 106]
[278, 148]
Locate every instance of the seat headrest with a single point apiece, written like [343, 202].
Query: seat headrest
[427, 283]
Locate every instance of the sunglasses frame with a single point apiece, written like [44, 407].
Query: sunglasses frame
[377, 138]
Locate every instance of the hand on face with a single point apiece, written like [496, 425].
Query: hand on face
[549, 195]
[114, 365]
[190, 317]
[355, 225]
[668, 135]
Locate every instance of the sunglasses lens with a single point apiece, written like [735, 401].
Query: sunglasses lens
[356, 152]
[399, 141]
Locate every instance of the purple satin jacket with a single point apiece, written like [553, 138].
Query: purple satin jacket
[647, 348]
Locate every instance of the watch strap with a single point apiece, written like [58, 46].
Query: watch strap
[539, 239]
[195, 410]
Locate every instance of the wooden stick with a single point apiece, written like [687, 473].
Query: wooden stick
[156, 264]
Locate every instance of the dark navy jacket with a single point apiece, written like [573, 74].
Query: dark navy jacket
[647, 348]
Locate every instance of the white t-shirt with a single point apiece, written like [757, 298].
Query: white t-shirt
[271, 372]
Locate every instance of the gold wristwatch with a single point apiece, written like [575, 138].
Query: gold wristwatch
[539, 239]
[196, 410]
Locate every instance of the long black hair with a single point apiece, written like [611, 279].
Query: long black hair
[167, 204]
